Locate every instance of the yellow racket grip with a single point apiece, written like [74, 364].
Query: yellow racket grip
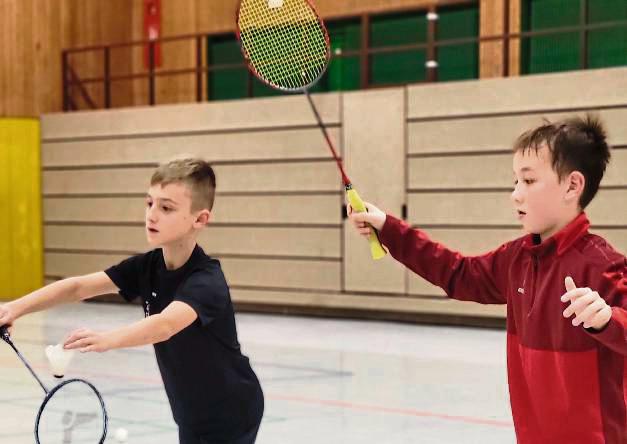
[376, 249]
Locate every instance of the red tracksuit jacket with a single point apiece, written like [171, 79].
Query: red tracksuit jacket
[566, 384]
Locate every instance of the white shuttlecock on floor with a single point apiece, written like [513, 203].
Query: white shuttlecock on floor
[121, 434]
[59, 359]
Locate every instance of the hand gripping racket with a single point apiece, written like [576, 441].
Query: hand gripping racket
[287, 46]
[72, 412]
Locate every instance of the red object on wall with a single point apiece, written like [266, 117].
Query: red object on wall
[152, 30]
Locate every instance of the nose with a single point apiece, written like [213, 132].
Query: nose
[150, 214]
[516, 195]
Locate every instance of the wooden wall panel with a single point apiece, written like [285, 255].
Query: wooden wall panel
[492, 24]
[377, 173]
[497, 133]
[269, 273]
[297, 242]
[537, 93]
[33, 34]
[30, 68]
[234, 116]
[221, 17]
[430, 309]
[215, 147]
[264, 210]
[469, 171]
[286, 249]
[494, 208]
[258, 178]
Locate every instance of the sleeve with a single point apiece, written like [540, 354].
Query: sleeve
[206, 292]
[613, 289]
[464, 278]
[125, 276]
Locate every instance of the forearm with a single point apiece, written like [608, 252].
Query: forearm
[461, 277]
[60, 292]
[150, 330]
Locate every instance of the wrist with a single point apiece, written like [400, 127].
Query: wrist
[110, 340]
[380, 221]
[15, 309]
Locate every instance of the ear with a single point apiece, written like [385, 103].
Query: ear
[203, 218]
[575, 182]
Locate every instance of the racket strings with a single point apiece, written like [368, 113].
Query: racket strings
[287, 46]
[74, 414]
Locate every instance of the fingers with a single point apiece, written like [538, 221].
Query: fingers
[588, 307]
[75, 336]
[586, 315]
[575, 294]
[79, 344]
[5, 317]
[569, 283]
[579, 304]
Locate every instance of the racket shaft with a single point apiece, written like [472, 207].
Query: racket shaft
[376, 249]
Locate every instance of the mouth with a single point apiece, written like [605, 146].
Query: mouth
[520, 214]
[152, 230]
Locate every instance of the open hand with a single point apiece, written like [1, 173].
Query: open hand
[85, 340]
[588, 306]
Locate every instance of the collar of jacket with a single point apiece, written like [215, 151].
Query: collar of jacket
[560, 241]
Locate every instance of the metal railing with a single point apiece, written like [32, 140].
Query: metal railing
[73, 85]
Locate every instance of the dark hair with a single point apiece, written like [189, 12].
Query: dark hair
[197, 174]
[575, 144]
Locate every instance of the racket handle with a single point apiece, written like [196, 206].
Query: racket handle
[376, 249]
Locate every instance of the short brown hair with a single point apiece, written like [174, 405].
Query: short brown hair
[575, 144]
[197, 174]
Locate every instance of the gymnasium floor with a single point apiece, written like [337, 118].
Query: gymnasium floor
[326, 381]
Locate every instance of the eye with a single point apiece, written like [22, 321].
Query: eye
[166, 209]
[529, 181]
[148, 204]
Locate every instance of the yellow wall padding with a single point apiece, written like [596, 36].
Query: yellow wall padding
[21, 249]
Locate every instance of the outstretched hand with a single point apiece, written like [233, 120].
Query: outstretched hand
[85, 340]
[7, 316]
[589, 308]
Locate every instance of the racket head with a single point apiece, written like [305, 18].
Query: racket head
[287, 47]
[73, 412]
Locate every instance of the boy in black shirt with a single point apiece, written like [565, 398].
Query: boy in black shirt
[214, 394]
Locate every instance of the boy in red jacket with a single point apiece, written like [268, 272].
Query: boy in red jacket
[567, 378]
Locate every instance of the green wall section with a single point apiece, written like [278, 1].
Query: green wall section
[562, 52]
[551, 53]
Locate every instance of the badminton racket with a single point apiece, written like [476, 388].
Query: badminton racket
[73, 412]
[286, 45]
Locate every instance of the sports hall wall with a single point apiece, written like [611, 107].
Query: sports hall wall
[443, 150]
[34, 32]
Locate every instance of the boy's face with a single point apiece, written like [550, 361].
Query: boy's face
[543, 204]
[169, 215]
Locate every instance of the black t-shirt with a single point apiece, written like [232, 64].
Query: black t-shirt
[211, 386]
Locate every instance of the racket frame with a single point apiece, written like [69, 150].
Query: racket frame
[6, 337]
[51, 393]
[252, 68]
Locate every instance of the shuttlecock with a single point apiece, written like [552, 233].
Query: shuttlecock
[121, 434]
[59, 359]
[275, 3]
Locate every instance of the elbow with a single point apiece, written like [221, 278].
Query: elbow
[74, 289]
[165, 330]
